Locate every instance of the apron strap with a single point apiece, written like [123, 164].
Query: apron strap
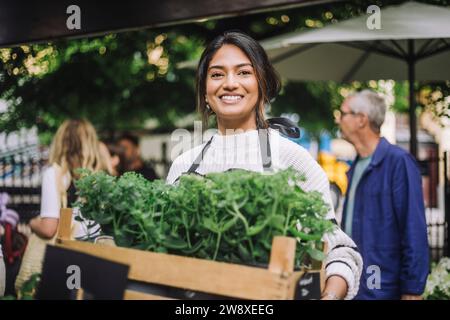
[198, 160]
[264, 145]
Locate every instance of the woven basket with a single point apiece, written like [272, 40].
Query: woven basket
[34, 253]
[32, 259]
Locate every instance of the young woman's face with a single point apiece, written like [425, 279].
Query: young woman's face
[231, 85]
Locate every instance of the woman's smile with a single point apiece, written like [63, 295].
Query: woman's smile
[231, 99]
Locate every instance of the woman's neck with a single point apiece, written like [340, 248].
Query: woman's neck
[227, 127]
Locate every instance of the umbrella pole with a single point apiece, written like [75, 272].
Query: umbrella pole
[412, 100]
[447, 203]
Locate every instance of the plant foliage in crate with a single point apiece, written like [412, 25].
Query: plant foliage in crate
[231, 216]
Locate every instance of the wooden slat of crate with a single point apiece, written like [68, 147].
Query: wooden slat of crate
[218, 278]
[136, 295]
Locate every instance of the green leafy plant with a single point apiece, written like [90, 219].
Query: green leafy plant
[28, 289]
[231, 216]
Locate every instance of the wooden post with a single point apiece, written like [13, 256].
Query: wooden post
[80, 294]
[282, 256]
[65, 224]
[282, 260]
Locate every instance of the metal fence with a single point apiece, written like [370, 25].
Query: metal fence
[435, 178]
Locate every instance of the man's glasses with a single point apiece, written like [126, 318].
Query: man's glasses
[339, 114]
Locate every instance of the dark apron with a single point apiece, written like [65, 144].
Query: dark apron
[264, 145]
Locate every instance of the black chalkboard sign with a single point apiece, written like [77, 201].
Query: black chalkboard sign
[65, 272]
[308, 287]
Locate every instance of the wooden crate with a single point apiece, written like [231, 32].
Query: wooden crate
[278, 281]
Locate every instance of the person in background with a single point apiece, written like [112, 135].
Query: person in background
[117, 157]
[384, 209]
[74, 146]
[133, 160]
[106, 158]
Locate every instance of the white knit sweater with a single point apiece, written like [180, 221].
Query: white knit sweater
[242, 151]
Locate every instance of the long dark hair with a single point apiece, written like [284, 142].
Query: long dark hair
[269, 83]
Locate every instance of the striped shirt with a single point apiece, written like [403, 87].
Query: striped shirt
[242, 151]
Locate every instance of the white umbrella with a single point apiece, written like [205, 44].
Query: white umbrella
[412, 44]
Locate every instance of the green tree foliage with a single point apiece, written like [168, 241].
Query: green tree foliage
[118, 81]
[314, 102]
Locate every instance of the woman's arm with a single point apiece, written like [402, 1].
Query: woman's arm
[343, 261]
[44, 227]
[46, 224]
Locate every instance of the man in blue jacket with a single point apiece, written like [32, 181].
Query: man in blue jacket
[383, 210]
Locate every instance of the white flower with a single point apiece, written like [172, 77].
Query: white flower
[291, 183]
[299, 225]
[439, 279]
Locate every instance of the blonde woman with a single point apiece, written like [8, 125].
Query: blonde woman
[74, 146]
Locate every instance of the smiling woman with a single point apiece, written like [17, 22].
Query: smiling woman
[235, 82]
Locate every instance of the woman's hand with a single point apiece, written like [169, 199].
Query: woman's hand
[335, 288]
[411, 297]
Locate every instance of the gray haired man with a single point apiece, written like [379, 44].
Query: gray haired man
[383, 210]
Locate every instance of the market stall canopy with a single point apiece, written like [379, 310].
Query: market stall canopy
[23, 21]
[349, 50]
[412, 44]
